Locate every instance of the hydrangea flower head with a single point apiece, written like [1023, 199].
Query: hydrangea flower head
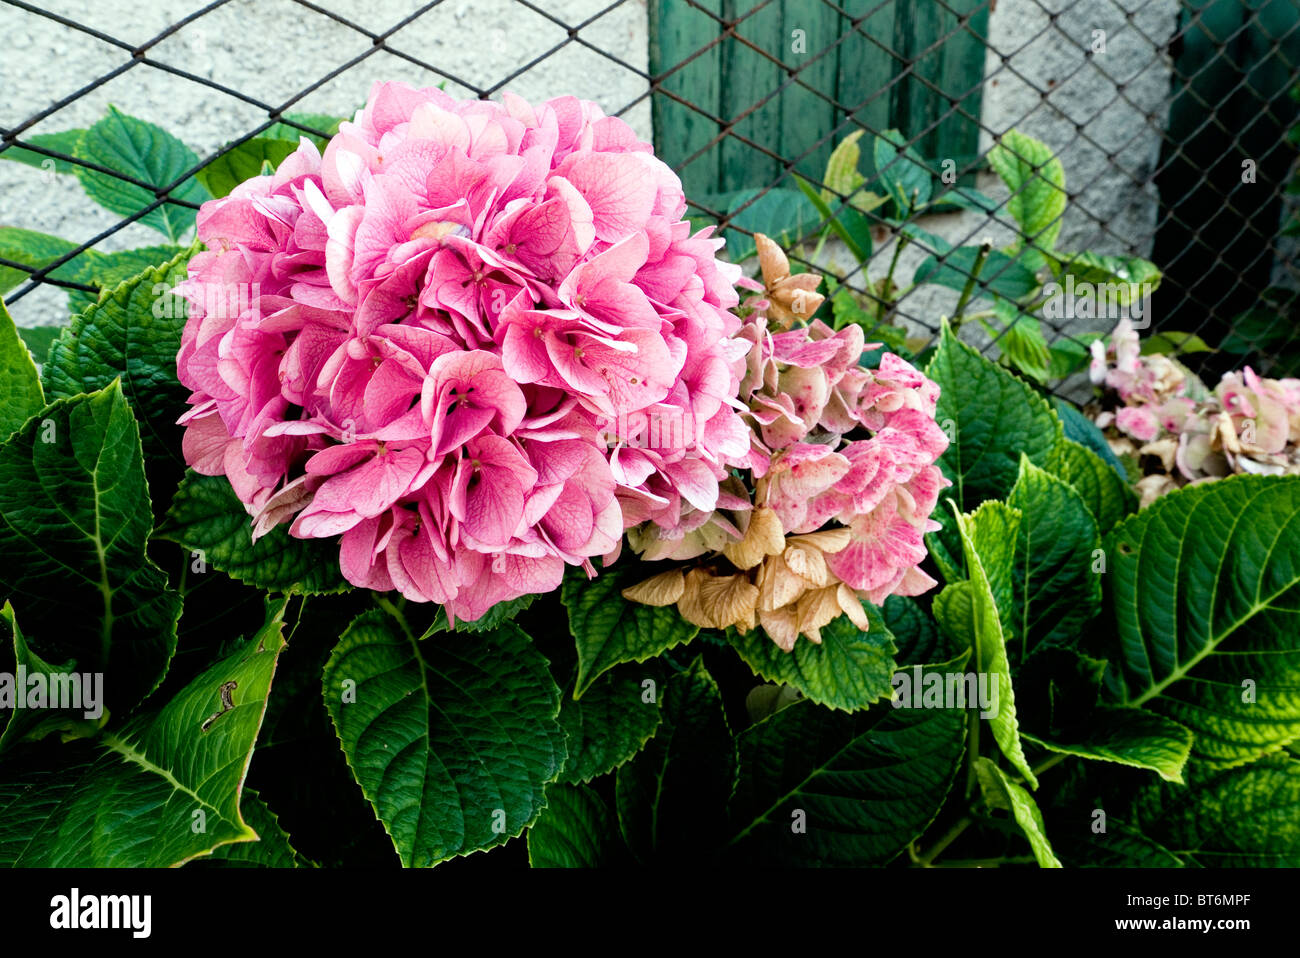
[447, 339]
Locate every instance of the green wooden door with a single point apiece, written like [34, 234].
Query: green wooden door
[747, 87]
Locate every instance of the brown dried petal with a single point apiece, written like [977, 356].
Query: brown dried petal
[807, 563]
[658, 590]
[772, 260]
[781, 626]
[828, 541]
[763, 537]
[715, 602]
[777, 585]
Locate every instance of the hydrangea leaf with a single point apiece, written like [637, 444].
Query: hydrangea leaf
[77, 517]
[244, 161]
[969, 612]
[20, 386]
[671, 798]
[1057, 583]
[159, 792]
[453, 740]
[29, 723]
[207, 517]
[575, 830]
[144, 152]
[860, 786]
[992, 418]
[848, 670]
[1205, 588]
[271, 850]
[609, 629]
[612, 721]
[1239, 817]
[1127, 736]
[1000, 792]
[1036, 180]
[1108, 497]
[132, 333]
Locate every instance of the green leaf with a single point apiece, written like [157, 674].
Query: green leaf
[106, 271]
[1242, 817]
[783, 214]
[20, 386]
[860, 251]
[994, 417]
[842, 174]
[848, 670]
[1036, 180]
[672, 797]
[163, 790]
[609, 629]
[39, 339]
[243, 162]
[206, 516]
[63, 141]
[1023, 345]
[1108, 497]
[1129, 737]
[31, 722]
[915, 632]
[612, 721]
[1001, 792]
[999, 274]
[1172, 342]
[575, 830]
[37, 250]
[901, 170]
[1115, 276]
[1235, 818]
[969, 612]
[76, 520]
[1084, 431]
[1057, 591]
[324, 122]
[144, 152]
[859, 787]
[452, 739]
[499, 614]
[133, 334]
[271, 850]
[1205, 587]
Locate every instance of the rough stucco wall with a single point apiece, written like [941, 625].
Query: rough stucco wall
[270, 50]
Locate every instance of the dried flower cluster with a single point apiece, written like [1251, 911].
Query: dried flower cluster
[840, 484]
[1183, 432]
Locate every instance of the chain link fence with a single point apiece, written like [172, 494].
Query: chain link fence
[1173, 124]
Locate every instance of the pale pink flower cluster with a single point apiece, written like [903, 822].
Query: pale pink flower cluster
[447, 339]
[842, 467]
[1183, 432]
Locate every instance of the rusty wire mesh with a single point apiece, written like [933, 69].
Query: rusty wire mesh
[1200, 117]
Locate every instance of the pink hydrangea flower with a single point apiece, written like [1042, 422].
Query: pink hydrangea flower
[450, 340]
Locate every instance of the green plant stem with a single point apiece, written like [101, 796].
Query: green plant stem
[883, 304]
[397, 611]
[986, 247]
[947, 838]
